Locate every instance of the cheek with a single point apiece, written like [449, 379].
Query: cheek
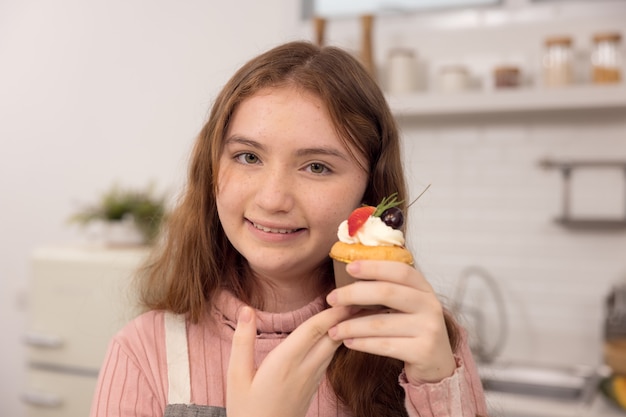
[228, 179]
[226, 190]
[223, 175]
[337, 207]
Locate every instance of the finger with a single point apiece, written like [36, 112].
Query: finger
[377, 325]
[384, 325]
[309, 333]
[241, 368]
[394, 296]
[428, 361]
[396, 348]
[320, 355]
[390, 295]
[396, 272]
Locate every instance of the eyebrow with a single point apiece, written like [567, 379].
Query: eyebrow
[321, 151]
[243, 141]
[300, 152]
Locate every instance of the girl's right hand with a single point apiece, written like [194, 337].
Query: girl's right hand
[286, 381]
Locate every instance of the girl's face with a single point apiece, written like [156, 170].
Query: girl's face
[285, 182]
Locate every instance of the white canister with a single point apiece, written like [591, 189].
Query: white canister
[401, 71]
[453, 78]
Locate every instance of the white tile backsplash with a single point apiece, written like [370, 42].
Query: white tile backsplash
[589, 199]
[490, 204]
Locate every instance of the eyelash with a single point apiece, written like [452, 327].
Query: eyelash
[241, 158]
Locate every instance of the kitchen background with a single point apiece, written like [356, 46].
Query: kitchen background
[94, 93]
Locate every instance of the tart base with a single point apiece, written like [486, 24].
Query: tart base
[344, 253]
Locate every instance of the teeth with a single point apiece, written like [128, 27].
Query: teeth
[270, 230]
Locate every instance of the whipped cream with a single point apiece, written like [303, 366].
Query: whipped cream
[374, 232]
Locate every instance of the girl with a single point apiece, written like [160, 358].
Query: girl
[243, 317]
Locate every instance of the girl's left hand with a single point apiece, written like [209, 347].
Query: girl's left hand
[411, 329]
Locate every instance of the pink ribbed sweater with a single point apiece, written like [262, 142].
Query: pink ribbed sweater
[133, 379]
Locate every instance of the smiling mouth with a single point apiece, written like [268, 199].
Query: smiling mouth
[272, 230]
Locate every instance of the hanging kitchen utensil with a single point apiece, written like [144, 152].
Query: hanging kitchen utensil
[615, 321]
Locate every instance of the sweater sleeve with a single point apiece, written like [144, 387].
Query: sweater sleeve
[127, 385]
[460, 395]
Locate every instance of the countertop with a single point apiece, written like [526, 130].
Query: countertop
[511, 405]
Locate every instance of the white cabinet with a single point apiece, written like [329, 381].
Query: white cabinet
[79, 298]
[58, 393]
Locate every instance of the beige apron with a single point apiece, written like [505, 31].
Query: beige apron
[178, 377]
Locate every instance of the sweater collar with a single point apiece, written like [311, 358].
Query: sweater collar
[269, 325]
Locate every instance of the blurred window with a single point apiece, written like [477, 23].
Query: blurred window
[337, 8]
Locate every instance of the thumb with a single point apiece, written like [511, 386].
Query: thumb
[241, 366]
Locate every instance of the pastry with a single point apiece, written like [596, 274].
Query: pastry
[370, 233]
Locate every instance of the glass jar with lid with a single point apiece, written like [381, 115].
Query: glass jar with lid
[506, 76]
[558, 61]
[401, 71]
[453, 78]
[605, 58]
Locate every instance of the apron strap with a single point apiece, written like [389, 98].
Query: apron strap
[179, 389]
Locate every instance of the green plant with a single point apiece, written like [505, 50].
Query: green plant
[117, 204]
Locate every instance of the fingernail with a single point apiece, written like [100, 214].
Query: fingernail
[332, 332]
[353, 267]
[245, 315]
[331, 298]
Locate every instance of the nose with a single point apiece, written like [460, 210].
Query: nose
[275, 190]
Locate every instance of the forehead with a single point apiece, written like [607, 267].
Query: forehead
[283, 112]
[291, 100]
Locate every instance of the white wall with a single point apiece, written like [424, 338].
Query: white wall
[94, 92]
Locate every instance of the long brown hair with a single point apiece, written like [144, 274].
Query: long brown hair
[194, 260]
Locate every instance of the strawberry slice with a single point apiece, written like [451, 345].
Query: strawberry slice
[358, 217]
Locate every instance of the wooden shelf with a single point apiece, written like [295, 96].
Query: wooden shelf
[522, 100]
[592, 224]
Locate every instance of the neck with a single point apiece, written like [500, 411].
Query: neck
[280, 294]
[280, 297]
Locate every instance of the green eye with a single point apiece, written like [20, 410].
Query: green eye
[318, 168]
[247, 158]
